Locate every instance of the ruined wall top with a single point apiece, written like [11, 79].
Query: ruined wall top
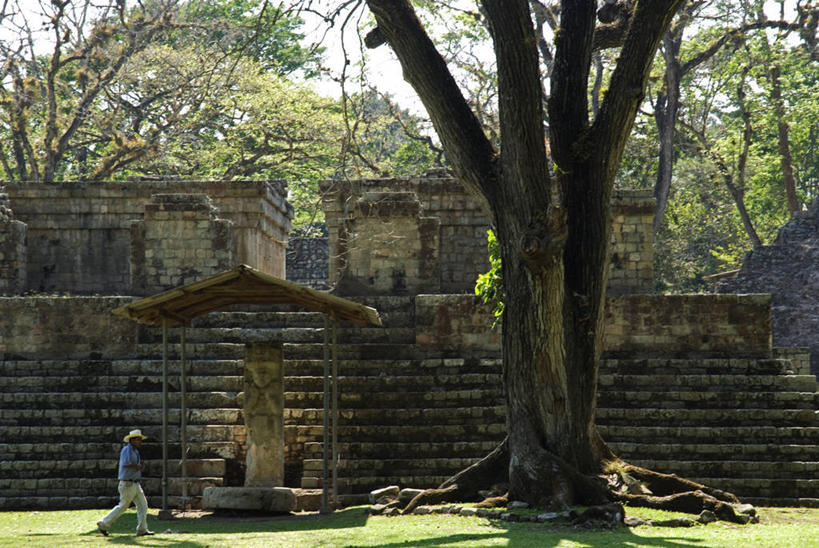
[372, 221]
[79, 233]
[787, 270]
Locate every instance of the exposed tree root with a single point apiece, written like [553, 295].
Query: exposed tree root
[494, 502]
[690, 502]
[628, 484]
[465, 486]
[670, 484]
[672, 493]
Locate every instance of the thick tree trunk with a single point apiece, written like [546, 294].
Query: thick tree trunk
[553, 232]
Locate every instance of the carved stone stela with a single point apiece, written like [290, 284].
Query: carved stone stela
[264, 414]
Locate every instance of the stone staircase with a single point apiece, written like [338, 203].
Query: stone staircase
[403, 418]
[744, 425]
[408, 415]
[62, 422]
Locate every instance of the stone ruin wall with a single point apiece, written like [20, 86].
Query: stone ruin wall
[78, 236]
[308, 260]
[787, 270]
[13, 260]
[48, 327]
[428, 235]
[374, 231]
[644, 326]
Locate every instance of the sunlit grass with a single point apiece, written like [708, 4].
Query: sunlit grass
[779, 528]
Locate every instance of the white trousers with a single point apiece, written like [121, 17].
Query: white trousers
[129, 492]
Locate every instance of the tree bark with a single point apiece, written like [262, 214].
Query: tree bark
[665, 116]
[783, 141]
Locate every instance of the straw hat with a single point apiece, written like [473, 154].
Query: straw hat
[134, 434]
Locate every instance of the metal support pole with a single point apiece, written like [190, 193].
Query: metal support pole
[183, 382]
[325, 508]
[164, 415]
[334, 444]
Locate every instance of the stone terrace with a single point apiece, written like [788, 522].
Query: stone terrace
[691, 383]
[417, 403]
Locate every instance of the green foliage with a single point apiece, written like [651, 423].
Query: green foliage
[489, 286]
[264, 32]
[383, 140]
[702, 231]
[162, 88]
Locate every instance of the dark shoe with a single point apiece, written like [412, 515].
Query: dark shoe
[145, 533]
[102, 530]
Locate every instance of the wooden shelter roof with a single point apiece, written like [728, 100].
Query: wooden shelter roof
[241, 285]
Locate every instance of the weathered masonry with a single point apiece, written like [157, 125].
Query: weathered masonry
[136, 238]
[428, 235]
[690, 383]
[787, 270]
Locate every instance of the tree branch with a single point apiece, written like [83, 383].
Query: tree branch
[471, 154]
[520, 100]
[626, 91]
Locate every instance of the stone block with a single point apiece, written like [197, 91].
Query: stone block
[264, 499]
[392, 492]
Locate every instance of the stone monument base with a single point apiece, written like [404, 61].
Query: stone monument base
[264, 499]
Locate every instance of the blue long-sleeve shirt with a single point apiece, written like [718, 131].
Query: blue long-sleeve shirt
[129, 455]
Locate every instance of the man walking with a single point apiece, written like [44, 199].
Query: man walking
[130, 472]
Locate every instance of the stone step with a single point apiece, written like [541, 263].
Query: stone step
[96, 487]
[101, 368]
[115, 400]
[97, 450]
[315, 351]
[707, 400]
[793, 435]
[367, 385]
[102, 434]
[393, 367]
[714, 366]
[760, 502]
[195, 351]
[235, 367]
[783, 490]
[131, 383]
[92, 417]
[734, 468]
[711, 383]
[349, 467]
[408, 433]
[429, 449]
[107, 468]
[770, 452]
[365, 484]
[425, 398]
[392, 416]
[242, 335]
[707, 417]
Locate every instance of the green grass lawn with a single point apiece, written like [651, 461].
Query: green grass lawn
[778, 527]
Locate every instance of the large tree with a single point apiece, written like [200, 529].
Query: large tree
[101, 90]
[548, 192]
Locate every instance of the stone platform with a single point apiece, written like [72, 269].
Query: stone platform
[260, 499]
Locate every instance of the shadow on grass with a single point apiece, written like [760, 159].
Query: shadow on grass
[496, 533]
[123, 530]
